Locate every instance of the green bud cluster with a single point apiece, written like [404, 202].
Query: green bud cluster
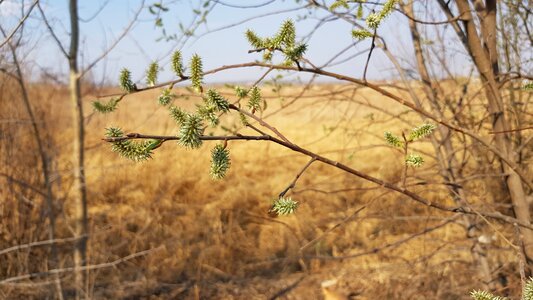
[284, 41]
[414, 160]
[166, 97]
[190, 132]
[136, 151]
[220, 162]
[151, 74]
[254, 102]
[284, 206]
[105, 108]
[197, 75]
[125, 81]
[177, 63]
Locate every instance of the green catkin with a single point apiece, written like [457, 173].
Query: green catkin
[125, 81]
[196, 68]
[220, 162]
[190, 132]
[151, 74]
[135, 151]
[105, 108]
[284, 206]
[177, 63]
[254, 102]
[215, 99]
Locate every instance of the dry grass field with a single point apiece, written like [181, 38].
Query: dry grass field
[214, 239]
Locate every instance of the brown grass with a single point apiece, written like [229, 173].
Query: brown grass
[214, 238]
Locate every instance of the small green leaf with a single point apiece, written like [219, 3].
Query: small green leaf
[243, 119]
[240, 92]
[337, 4]
[135, 151]
[483, 295]
[208, 113]
[373, 20]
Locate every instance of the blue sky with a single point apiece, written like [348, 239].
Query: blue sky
[223, 47]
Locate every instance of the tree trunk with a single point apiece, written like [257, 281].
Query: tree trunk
[485, 56]
[49, 196]
[447, 160]
[79, 197]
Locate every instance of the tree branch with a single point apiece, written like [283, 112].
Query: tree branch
[10, 35]
[372, 86]
[338, 165]
[83, 268]
[293, 183]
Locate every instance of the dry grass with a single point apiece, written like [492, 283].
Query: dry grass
[214, 238]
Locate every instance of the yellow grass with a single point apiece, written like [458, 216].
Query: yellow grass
[215, 239]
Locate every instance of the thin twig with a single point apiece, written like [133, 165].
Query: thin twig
[416, 197]
[393, 244]
[39, 243]
[374, 87]
[522, 262]
[293, 183]
[512, 130]
[82, 268]
[260, 121]
[323, 235]
[12, 33]
[115, 43]
[52, 32]
[287, 289]
[372, 47]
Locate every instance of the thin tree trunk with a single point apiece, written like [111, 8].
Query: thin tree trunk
[485, 56]
[49, 196]
[79, 197]
[447, 160]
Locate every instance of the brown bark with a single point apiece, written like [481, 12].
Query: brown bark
[485, 56]
[447, 160]
[79, 197]
[49, 196]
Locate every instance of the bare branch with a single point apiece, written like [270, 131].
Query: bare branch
[115, 43]
[72, 269]
[374, 87]
[293, 183]
[39, 243]
[10, 35]
[338, 165]
[52, 32]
